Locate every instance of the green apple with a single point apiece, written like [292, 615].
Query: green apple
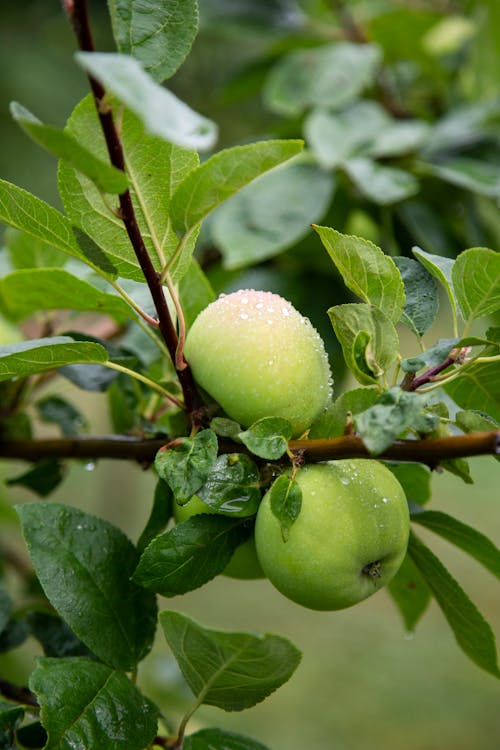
[257, 356]
[348, 541]
[244, 563]
[9, 334]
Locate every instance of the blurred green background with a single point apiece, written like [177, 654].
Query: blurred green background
[363, 683]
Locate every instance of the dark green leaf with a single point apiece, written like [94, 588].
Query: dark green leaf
[415, 479]
[380, 184]
[212, 739]
[61, 144]
[227, 428]
[271, 214]
[473, 633]
[329, 75]
[410, 593]
[55, 636]
[5, 609]
[10, 718]
[392, 414]
[332, 422]
[97, 377]
[476, 280]
[268, 437]
[230, 670]
[88, 705]
[14, 633]
[84, 565]
[56, 410]
[422, 301]
[41, 355]
[380, 348]
[366, 271]
[190, 554]
[161, 513]
[286, 502]
[42, 479]
[186, 463]
[162, 113]
[159, 35]
[463, 536]
[32, 736]
[30, 290]
[233, 486]
[441, 268]
[195, 292]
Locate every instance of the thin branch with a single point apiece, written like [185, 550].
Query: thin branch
[78, 15]
[18, 694]
[428, 451]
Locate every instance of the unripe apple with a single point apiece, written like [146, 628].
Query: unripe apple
[258, 357]
[348, 541]
[244, 563]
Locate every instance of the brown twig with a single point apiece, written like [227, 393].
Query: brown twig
[78, 15]
[428, 451]
[18, 694]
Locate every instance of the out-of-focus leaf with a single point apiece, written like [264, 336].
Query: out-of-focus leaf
[56, 637]
[56, 410]
[472, 174]
[230, 670]
[410, 593]
[42, 478]
[477, 388]
[195, 292]
[26, 251]
[208, 739]
[159, 35]
[415, 479]
[161, 513]
[383, 185]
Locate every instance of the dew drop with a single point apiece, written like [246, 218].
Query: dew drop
[409, 635]
[344, 481]
[244, 316]
[90, 466]
[385, 499]
[259, 305]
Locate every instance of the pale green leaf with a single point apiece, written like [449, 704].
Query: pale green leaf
[366, 271]
[333, 421]
[480, 177]
[223, 175]
[380, 184]
[477, 388]
[42, 355]
[476, 281]
[382, 341]
[230, 670]
[410, 593]
[159, 35]
[61, 144]
[26, 251]
[154, 169]
[162, 113]
[30, 290]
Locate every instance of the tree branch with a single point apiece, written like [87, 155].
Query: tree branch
[18, 694]
[429, 451]
[78, 15]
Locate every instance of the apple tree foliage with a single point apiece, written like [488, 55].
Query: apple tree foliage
[359, 150]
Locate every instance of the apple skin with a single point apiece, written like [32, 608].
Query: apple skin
[257, 356]
[244, 563]
[348, 541]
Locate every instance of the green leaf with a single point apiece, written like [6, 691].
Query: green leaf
[161, 112]
[474, 421]
[227, 428]
[473, 542]
[422, 301]
[393, 413]
[32, 736]
[28, 291]
[84, 565]
[195, 292]
[87, 704]
[476, 280]
[471, 174]
[233, 486]
[160, 515]
[221, 176]
[26, 251]
[61, 144]
[22, 210]
[14, 634]
[41, 355]
[286, 502]
[441, 268]
[154, 168]
[271, 214]
[382, 185]
[230, 670]
[366, 271]
[381, 347]
[333, 421]
[430, 357]
[55, 636]
[459, 467]
[186, 463]
[477, 388]
[42, 478]
[159, 35]
[415, 479]
[11, 717]
[473, 633]
[209, 739]
[190, 554]
[268, 437]
[5, 609]
[410, 593]
[330, 75]
[56, 410]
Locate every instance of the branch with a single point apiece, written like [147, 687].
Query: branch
[78, 15]
[18, 694]
[428, 451]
